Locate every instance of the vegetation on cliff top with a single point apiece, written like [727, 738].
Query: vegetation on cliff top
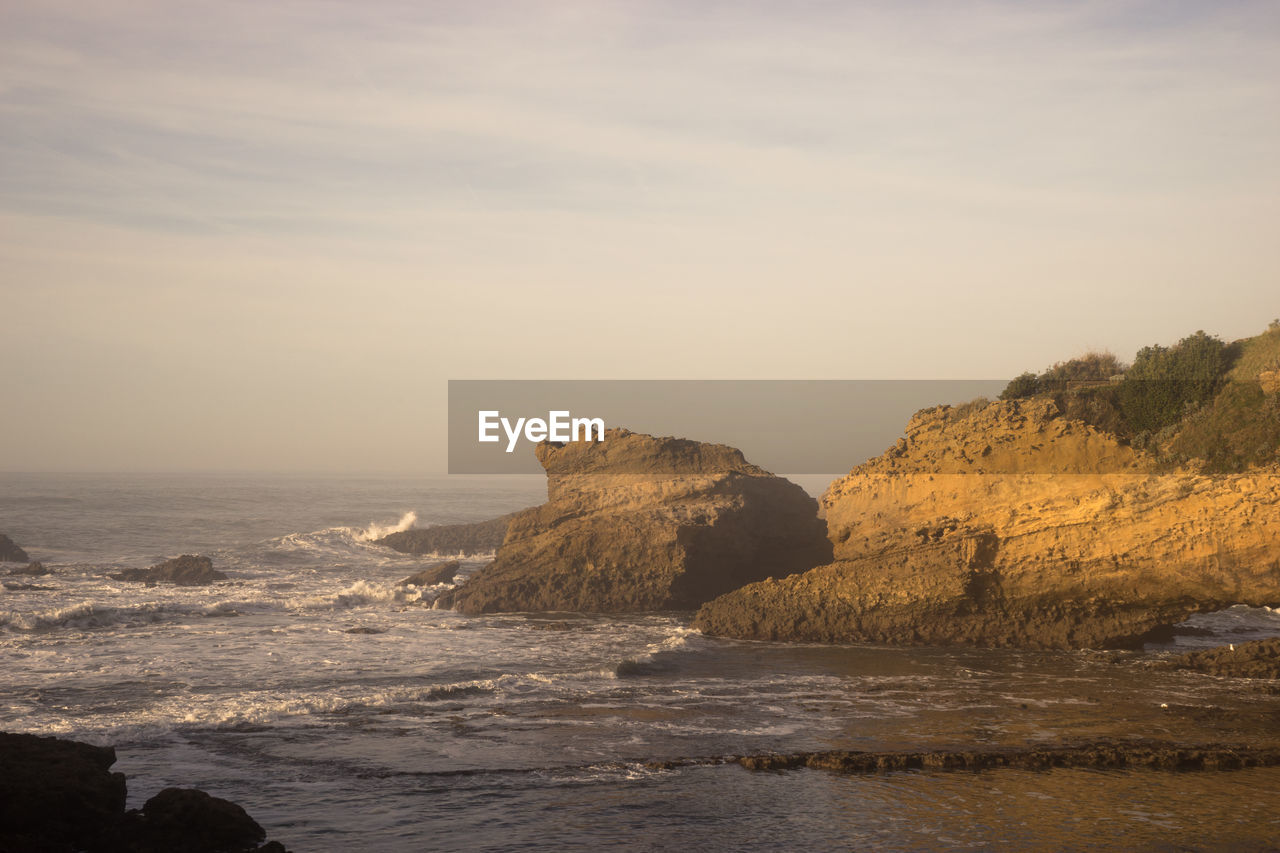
[1199, 400]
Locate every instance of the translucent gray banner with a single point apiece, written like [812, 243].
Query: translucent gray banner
[785, 426]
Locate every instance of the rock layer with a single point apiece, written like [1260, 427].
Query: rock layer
[432, 575]
[1010, 525]
[638, 523]
[482, 537]
[1094, 756]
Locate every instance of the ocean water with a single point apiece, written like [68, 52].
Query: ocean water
[427, 730]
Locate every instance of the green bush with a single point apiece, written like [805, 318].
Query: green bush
[1090, 367]
[1165, 383]
[1026, 385]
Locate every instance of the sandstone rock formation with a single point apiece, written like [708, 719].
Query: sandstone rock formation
[1007, 524]
[636, 523]
[482, 537]
[10, 552]
[187, 570]
[438, 573]
[60, 796]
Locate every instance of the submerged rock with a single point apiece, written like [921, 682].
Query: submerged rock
[637, 523]
[34, 569]
[481, 537]
[60, 796]
[1011, 525]
[1254, 659]
[26, 587]
[10, 552]
[432, 575]
[187, 570]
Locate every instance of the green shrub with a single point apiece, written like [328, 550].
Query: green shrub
[1165, 383]
[1090, 367]
[1026, 385]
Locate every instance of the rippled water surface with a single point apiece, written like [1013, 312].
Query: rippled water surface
[428, 729]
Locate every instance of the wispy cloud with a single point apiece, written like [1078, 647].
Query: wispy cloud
[798, 170]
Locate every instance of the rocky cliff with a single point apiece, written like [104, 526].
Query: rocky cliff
[636, 523]
[1007, 524]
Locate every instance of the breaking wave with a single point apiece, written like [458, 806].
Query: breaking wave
[377, 531]
[337, 540]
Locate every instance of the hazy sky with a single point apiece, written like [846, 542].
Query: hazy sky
[262, 236]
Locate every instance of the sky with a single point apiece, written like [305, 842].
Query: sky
[245, 236]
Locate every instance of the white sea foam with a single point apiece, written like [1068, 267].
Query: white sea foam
[84, 614]
[358, 594]
[377, 531]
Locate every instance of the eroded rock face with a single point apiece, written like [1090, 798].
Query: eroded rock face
[1013, 526]
[187, 570]
[10, 552]
[637, 523]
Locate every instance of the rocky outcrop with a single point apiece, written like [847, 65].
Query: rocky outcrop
[190, 820]
[56, 794]
[187, 570]
[638, 523]
[60, 796]
[432, 575]
[1094, 756]
[1010, 525]
[10, 552]
[35, 569]
[1254, 659]
[481, 537]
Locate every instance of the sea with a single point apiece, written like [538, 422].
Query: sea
[345, 714]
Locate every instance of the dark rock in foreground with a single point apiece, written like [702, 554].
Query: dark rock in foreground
[191, 820]
[60, 796]
[481, 537]
[187, 570]
[35, 570]
[1255, 659]
[637, 523]
[432, 575]
[10, 552]
[1093, 756]
[56, 794]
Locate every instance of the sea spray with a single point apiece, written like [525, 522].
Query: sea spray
[377, 531]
